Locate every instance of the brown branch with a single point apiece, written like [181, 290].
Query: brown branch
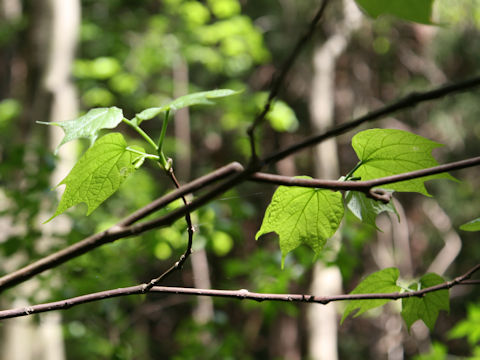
[178, 265]
[124, 228]
[408, 101]
[118, 232]
[363, 186]
[242, 294]
[121, 230]
[279, 77]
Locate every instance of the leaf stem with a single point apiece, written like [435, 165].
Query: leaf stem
[163, 161]
[164, 131]
[141, 132]
[145, 155]
[350, 174]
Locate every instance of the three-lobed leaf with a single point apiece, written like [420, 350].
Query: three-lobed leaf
[383, 281]
[427, 307]
[199, 98]
[419, 11]
[302, 216]
[88, 125]
[385, 152]
[98, 173]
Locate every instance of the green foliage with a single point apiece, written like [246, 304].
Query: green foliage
[427, 307]
[98, 173]
[291, 212]
[437, 352]
[89, 125]
[469, 327]
[282, 117]
[9, 110]
[367, 209]
[419, 11]
[100, 68]
[473, 225]
[383, 281]
[385, 152]
[199, 98]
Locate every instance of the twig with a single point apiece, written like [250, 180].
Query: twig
[408, 101]
[125, 228]
[121, 230]
[279, 77]
[242, 294]
[118, 232]
[178, 265]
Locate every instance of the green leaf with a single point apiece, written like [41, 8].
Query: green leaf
[419, 11]
[367, 209]
[473, 225]
[199, 98]
[468, 327]
[88, 125]
[282, 117]
[302, 216]
[383, 281]
[427, 307]
[98, 173]
[385, 152]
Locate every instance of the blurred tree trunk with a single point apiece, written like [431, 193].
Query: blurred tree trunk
[322, 320]
[50, 96]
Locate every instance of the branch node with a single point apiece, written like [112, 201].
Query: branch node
[385, 196]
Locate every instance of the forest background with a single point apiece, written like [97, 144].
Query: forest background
[60, 58]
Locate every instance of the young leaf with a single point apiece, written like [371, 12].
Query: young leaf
[367, 209]
[473, 225]
[385, 152]
[88, 125]
[199, 98]
[98, 173]
[427, 307]
[383, 281]
[419, 11]
[302, 216]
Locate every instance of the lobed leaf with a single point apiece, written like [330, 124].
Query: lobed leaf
[199, 98]
[302, 216]
[88, 125]
[383, 281]
[419, 11]
[473, 225]
[385, 152]
[98, 173]
[427, 307]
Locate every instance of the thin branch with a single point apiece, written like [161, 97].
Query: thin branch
[408, 101]
[121, 230]
[178, 265]
[279, 77]
[124, 228]
[242, 294]
[363, 186]
[200, 183]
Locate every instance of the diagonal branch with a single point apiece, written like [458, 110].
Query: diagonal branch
[406, 102]
[242, 294]
[279, 77]
[125, 228]
[121, 230]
